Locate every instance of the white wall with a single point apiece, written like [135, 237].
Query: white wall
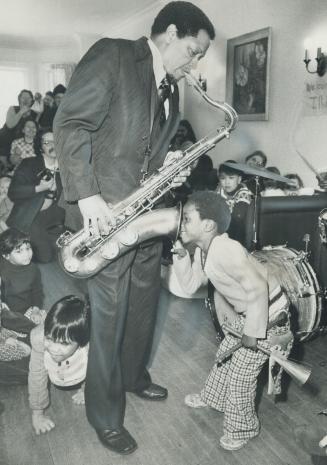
[292, 22]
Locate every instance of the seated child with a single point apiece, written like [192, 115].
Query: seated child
[246, 298]
[59, 353]
[238, 198]
[21, 286]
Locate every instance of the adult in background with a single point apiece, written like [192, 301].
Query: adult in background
[15, 121]
[256, 159]
[112, 128]
[48, 112]
[58, 94]
[24, 147]
[34, 191]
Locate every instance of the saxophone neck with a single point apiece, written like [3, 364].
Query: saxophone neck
[225, 107]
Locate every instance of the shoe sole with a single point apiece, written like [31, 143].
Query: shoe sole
[112, 449]
[230, 448]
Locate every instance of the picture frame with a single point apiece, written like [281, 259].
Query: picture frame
[247, 74]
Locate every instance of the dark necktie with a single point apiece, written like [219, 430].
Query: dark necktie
[164, 90]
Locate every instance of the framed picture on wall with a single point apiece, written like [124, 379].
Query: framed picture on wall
[247, 76]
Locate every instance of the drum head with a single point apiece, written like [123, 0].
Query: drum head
[297, 278]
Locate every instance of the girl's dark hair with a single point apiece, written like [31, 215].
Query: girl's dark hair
[190, 132]
[188, 19]
[68, 321]
[11, 239]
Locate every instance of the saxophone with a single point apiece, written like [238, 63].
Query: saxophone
[83, 255]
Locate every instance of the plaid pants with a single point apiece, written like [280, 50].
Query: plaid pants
[231, 388]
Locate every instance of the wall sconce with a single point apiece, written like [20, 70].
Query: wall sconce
[203, 83]
[321, 62]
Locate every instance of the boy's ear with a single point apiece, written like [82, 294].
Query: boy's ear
[209, 225]
[5, 256]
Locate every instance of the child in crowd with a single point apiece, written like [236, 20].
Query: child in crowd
[298, 187]
[238, 197]
[246, 296]
[59, 353]
[5, 203]
[21, 286]
[272, 188]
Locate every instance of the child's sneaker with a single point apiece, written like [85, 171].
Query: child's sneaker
[194, 401]
[228, 443]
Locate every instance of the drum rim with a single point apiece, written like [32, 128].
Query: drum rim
[315, 320]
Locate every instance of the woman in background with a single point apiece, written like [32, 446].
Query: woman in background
[15, 121]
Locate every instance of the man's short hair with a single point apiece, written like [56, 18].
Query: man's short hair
[11, 239]
[211, 206]
[257, 153]
[188, 19]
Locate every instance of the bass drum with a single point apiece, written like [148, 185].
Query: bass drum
[297, 278]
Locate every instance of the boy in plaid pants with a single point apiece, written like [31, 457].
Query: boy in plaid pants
[245, 298]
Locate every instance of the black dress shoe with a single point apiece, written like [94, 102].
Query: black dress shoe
[153, 392]
[119, 441]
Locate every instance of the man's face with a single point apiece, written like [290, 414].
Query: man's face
[48, 145]
[192, 227]
[229, 182]
[255, 160]
[182, 55]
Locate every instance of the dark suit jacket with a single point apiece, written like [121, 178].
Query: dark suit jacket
[103, 124]
[27, 203]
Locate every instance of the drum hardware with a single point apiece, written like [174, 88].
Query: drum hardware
[258, 172]
[322, 226]
[306, 240]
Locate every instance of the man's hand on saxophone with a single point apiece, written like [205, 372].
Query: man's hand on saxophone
[97, 215]
[173, 157]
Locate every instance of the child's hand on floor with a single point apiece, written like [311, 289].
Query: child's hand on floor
[41, 423]
[78, 397]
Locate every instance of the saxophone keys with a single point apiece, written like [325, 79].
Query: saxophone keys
[128, 237]
[110, 250]
[71, 264]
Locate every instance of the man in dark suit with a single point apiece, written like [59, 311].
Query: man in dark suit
[108, 137]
